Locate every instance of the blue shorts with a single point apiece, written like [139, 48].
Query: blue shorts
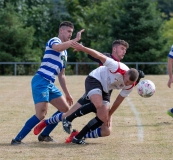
[43, 90]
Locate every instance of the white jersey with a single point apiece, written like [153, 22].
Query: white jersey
[170, 55]
[53, 62]
[111, 76]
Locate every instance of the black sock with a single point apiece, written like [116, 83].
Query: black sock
[92, 125]
[83, 110]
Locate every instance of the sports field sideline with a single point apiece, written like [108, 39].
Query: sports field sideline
[141, 128]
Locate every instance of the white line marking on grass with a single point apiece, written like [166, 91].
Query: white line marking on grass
[139, 124]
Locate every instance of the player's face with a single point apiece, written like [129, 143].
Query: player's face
[127, 80]
[119, 51]
[65, 33]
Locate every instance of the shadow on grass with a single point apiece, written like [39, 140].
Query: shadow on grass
[48, 145]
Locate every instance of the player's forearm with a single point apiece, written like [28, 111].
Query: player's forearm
[94, 54]
[63, 46]
[94, 59]
[116, 104]
[62, 81]
[170, 61]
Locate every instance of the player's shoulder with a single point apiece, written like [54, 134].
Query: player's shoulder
[123, 66]
[55, 39]
[170, 54]
[107, 54]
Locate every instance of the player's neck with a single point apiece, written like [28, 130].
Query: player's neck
[115, 58]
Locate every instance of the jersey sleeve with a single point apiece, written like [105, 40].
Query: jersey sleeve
[111, 64]
[170, 55]
[125, 92]
[53, 41]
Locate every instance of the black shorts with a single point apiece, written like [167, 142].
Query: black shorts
[90, 84]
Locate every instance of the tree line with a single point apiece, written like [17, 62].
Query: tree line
[26, 25]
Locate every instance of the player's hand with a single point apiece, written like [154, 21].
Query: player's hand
[108, 121]
[78, 36]
[77, 46]
[169, 82]
[141, 75]
[69, 99]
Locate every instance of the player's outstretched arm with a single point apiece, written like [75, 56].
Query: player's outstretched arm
[65, 45]
[116, 104]
[92, 52]
[170, 81]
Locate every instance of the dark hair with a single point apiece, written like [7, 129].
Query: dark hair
[122, 42]
[67, 24]
[133, 73]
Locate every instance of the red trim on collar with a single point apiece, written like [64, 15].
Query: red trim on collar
[115, 58]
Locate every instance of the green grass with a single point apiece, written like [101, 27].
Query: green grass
[141, 128]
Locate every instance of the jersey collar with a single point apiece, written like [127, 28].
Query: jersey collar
[115, 58]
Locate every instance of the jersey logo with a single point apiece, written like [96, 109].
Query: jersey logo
[44, 94]
[63, 58]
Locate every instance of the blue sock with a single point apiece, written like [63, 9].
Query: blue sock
[49, 128]
[172, 110]
[30, 123]
[94, 134]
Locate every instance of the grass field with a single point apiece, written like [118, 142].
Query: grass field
[141, 128]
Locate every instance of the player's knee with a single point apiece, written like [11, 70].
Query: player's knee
[66, 109]
[102, 117]
[40, 117]
[97, 104]
[41, 114]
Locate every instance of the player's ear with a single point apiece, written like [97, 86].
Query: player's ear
[114, 48]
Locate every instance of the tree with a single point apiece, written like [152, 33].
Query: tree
[168, 31]
[16, 41]
[95, 17]
[140, 25]
[166, 7]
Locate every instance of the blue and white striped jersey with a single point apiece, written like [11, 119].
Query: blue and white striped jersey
[171, 52]
[53, 62]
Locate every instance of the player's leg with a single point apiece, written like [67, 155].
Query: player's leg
[44, 135]
[102, 116]
[41, 110]
[93, 89]
[102, 131]
[58, 101]
[92, 125]
[83, 110]
[39, 86]
[82, 107]
[52, 121]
